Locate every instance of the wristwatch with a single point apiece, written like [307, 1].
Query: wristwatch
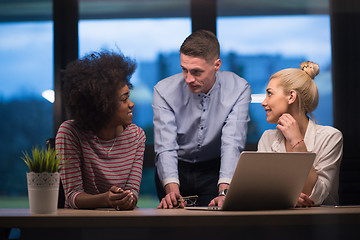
[223, 192]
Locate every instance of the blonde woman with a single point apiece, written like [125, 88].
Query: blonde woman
[291, 97]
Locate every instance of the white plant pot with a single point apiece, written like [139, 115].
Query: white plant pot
[43, 191]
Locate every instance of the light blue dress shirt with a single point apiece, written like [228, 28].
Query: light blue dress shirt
[196, 127]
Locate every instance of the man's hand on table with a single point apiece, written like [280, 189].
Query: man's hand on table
[219, 200]
[173, 199]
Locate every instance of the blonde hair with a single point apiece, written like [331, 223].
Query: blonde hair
[302, 81]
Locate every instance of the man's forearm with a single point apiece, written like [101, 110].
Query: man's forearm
[172, 187]
[223, 186]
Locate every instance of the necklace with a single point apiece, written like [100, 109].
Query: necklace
[107, 151]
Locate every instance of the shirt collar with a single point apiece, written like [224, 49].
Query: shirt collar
[279, 142]
[310, 136]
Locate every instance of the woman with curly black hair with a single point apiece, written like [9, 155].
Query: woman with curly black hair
[102, 150]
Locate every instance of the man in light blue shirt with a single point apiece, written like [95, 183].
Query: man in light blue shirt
[200, 125]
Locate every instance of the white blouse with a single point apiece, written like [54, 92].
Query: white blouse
[327, 143]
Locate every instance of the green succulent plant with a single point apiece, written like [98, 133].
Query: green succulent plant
[44, 160]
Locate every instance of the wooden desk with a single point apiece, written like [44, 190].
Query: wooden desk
[311, 223]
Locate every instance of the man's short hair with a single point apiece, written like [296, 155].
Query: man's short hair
[203, 44]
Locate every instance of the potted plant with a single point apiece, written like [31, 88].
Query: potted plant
[43, 180]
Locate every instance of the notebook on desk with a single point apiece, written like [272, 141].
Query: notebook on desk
[266, 180]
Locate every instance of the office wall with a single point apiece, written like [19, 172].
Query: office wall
[345, 31]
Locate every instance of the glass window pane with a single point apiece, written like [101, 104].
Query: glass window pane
[151, 42]
[154, 44]
[257, 47]
[26, 70]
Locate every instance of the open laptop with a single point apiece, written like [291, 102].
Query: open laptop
[266, 180]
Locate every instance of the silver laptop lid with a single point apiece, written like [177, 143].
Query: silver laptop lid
[268, 180]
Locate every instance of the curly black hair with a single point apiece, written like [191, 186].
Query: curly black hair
[90, 87]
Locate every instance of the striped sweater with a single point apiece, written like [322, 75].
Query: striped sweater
[93, 165]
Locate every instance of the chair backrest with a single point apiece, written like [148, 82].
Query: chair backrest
[50, 142]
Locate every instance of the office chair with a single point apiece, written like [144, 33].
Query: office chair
[50, 142]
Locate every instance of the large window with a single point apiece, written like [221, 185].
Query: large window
[151, 42]
[154, 44]
[26, 70]
[257, 47]
[252, 47]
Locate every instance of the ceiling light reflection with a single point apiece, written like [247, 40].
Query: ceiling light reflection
[49, 95]
[257, 98]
